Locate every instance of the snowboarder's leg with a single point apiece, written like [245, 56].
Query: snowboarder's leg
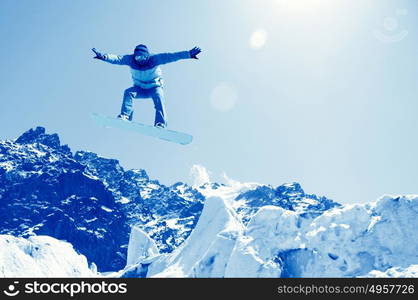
[128, 96]
[157, 95]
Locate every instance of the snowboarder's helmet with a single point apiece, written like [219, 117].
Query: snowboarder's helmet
[141, 49]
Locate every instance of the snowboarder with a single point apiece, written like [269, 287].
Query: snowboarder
[147, 78]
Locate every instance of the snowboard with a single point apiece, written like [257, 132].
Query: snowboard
[161, 133]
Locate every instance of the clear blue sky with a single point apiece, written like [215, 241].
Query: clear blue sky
[320, 92]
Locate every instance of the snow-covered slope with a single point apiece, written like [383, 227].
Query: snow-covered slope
[349, 241]
[41, 256]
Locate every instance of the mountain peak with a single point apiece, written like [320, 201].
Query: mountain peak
[289, 188]
[39, 135]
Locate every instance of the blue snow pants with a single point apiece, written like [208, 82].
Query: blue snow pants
[156, 94]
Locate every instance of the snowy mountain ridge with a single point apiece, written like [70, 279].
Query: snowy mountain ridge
[92, 202]
[86, 210]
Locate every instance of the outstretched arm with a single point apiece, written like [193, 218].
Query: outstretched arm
[165, 58]
[112, 58]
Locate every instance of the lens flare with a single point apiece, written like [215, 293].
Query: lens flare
[258, 39]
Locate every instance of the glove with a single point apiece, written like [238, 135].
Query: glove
[98, 54]
[194, 52]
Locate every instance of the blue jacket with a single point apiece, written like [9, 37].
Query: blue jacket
[149, 75]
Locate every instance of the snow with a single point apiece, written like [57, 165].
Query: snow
[34, 150]
[7, 166]
[409, 272]
[229, 191]
[340, 242]
[107, 209]
[199, 175]
[372, 239]
[41, 256]
[91, 220]
[91, 176]
[124, 200]
[146, 191]
[140, 247]
[31, 230]
[172, 223]
[53, 158]
[205, 252]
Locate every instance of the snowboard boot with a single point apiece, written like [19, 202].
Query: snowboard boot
[123, 117]
[160, 125]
